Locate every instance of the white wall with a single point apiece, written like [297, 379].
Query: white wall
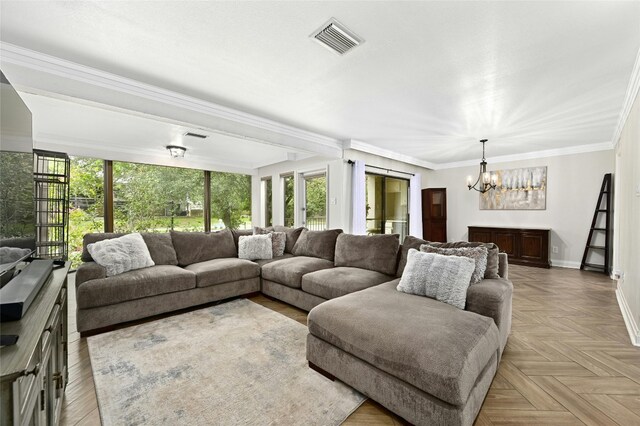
[627, 220]
[573, 185]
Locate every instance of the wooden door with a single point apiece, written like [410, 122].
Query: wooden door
[434, 214]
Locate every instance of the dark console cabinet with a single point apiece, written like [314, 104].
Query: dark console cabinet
[524, 246]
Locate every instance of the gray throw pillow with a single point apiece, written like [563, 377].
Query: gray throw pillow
[492, 257]
[279, 242]
[255, 247]
[292, 236]
[444, 278]
[478, 254]
[121, 254]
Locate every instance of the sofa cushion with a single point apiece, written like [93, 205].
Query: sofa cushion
[237, 233]
[408, 243]
[194, 247]
[220, 271]
[321, 244]
[89, 271]
[290, 271]
[431, 345]
[292, 236]
[159, 244]
[492, 254]
[373, 252]
[262, 262]
[336, 282]
[136, 284]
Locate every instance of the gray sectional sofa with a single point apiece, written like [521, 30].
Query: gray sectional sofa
[425, 360]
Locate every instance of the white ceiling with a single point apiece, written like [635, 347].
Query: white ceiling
[430, 79]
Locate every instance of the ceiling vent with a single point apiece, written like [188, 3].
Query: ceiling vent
[336, 37]
[196, 135]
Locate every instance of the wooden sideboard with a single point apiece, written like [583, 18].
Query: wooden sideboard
[34, 370]
[525, 246]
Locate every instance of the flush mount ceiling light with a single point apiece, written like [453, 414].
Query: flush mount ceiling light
[485, 180]
[176, 151]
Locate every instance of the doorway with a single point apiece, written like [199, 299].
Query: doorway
[387, 207]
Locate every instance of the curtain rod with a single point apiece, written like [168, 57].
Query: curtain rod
[383, 168]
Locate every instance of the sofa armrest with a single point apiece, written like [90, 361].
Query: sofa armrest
[89, 271]
[503, 265]
[493, 298]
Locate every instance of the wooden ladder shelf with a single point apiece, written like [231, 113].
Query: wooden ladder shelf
[606, 192]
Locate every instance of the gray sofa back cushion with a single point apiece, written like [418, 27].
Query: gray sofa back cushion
[292, 236]
[373, 252]
[194, 247]
[408, 243]
[320, 244]
[159, 244]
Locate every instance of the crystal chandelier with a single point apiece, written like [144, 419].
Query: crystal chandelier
[485, 180]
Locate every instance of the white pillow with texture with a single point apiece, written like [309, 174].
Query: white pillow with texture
[121, 254]
[255, 247]
[444, 278]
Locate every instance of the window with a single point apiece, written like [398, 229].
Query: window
[289, 195]
[387, 205]
[150, 198]
[315, 201]
[86, 203]
[266, 198]
[230, 201]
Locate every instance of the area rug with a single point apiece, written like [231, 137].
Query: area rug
[237, 363]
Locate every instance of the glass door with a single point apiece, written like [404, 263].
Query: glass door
[315, 201]
[387, 205]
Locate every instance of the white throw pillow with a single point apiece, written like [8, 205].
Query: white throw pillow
[121, 254]
[255, 247]
[478, 254]
[444, 278]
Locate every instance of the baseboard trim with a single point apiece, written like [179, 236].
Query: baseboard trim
[629, 321]
[565, 264]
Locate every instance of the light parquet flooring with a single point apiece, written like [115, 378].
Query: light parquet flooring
[569, 360]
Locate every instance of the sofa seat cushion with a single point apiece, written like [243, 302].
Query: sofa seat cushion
[220, 271]
[159, 279]
[431, 345]
[336, 282]
[290, 271]
[262, 262]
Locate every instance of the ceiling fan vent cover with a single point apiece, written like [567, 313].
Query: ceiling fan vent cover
[336, 37]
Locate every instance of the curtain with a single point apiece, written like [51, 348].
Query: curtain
[358, 199]
[415, 206]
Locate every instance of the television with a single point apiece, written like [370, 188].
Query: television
[17, 207]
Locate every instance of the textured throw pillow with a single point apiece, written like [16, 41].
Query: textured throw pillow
[279, 242]
[408, 243]
[257, 230]
[255, 247]
[478, 254]
[121, 254]
[321, 244]
[444, 278]
[492, 257]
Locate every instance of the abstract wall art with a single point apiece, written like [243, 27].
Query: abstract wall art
[517, 189]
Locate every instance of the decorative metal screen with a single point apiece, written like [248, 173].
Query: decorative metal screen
[51, 177]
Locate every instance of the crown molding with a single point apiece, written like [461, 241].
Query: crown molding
[630, 97]
[33, 60]
[386, 153]
[570, 150]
